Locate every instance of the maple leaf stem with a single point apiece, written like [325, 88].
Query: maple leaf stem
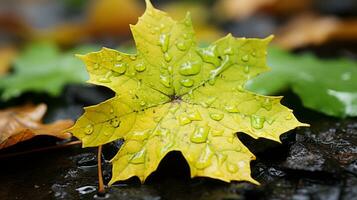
[101, 189]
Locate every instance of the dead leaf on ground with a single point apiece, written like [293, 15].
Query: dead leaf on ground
[238, 10]
[309, 29]
[104, 18]
[7, 55]
[22, 123]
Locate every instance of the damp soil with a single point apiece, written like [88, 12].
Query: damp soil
[318, 162]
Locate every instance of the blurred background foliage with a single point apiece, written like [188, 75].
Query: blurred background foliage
[326, 28]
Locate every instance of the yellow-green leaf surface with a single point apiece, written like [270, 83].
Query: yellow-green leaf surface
[173, 96]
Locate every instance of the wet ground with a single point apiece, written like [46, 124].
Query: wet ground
[317, 163]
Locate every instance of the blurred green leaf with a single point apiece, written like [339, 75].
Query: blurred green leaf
[41, 67]
[327, 86]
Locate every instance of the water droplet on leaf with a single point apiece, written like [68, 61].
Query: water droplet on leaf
[209, 55]
[181, 46]
[245, 58]
[216, 116]
[205, 158]
[133, 57]
[165, 80]
[88, 129]
[115, 122]
[140, 67]
[183, 119]
[257, 122]
[194, 116]
[231, 167]
[120, 68]
[119, 58]
[164, 42]
[187, 82]
[217, 132]
[266, 104]
[190, 68]
[246, 69]
[231, 108]
[167, 57]
[200, 134]
[139, 157]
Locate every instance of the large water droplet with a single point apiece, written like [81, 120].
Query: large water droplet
[194, 115]
[205, 158]
[190, 68]
[164, 42]
[165, 80]
[217, 116]
[266, 104]
[257, 121]
[139, 157]
[245, 58]
[120, 68]
[167, 57]
[231, 108]
[140, 67]
[209, 55]
[88, 129]
[231, 167]
[183, 119]
[187, 82]
[115, 122]
[200, 134]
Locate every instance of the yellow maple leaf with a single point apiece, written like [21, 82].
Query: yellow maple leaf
[173, 96]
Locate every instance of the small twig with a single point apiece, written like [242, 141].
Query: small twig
[40, 149]
[101, 190]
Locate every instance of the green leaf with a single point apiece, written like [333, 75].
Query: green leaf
[327, 86]
[43, 68]
[174, 96]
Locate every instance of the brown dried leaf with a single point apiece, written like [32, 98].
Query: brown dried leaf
[233, 9]
[308, 29]
[22, 123]
[7, 55]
